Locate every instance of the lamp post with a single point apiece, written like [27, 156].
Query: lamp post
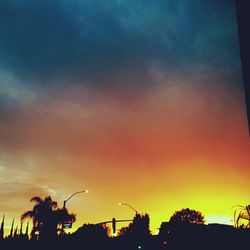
[126, 204]
[64, 202]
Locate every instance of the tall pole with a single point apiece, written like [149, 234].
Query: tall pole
[64, 203]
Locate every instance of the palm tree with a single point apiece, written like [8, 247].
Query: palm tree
[46, 217]
[242, 216]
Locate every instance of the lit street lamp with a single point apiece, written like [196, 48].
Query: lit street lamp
[64, 202]
[126, 204]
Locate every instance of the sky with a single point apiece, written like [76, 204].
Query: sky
[139, 102]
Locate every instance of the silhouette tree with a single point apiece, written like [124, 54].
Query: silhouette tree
[138, 228]
[46, 217]
[187, 215]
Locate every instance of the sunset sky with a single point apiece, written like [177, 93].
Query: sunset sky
[138, 101]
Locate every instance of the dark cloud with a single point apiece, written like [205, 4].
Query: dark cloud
[57, 42]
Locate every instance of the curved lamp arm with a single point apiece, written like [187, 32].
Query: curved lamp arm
[126, 204]
[64, 202]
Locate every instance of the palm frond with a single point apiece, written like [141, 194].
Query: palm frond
[36, 199]
[248, 209]
[48, 199]
[27, 214]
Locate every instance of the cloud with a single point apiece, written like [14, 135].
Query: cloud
[18, 186]
[108, 48]
[91, 41]
[115, 128]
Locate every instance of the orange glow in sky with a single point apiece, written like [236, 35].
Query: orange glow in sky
[158, 163]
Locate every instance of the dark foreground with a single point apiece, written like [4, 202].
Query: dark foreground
[235, 239]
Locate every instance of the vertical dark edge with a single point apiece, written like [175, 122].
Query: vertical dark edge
[243, 22]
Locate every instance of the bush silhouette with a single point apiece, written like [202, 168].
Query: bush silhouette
[187, 215]
[92, 232]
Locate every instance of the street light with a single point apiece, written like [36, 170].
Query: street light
[64, 202]
[126, 204]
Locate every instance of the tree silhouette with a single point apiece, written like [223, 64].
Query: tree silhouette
[138, 228]
[187, 215]
[46, 217]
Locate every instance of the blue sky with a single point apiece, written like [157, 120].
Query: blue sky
[82, 40]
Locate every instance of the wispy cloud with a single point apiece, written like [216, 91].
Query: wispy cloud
[50, 42]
